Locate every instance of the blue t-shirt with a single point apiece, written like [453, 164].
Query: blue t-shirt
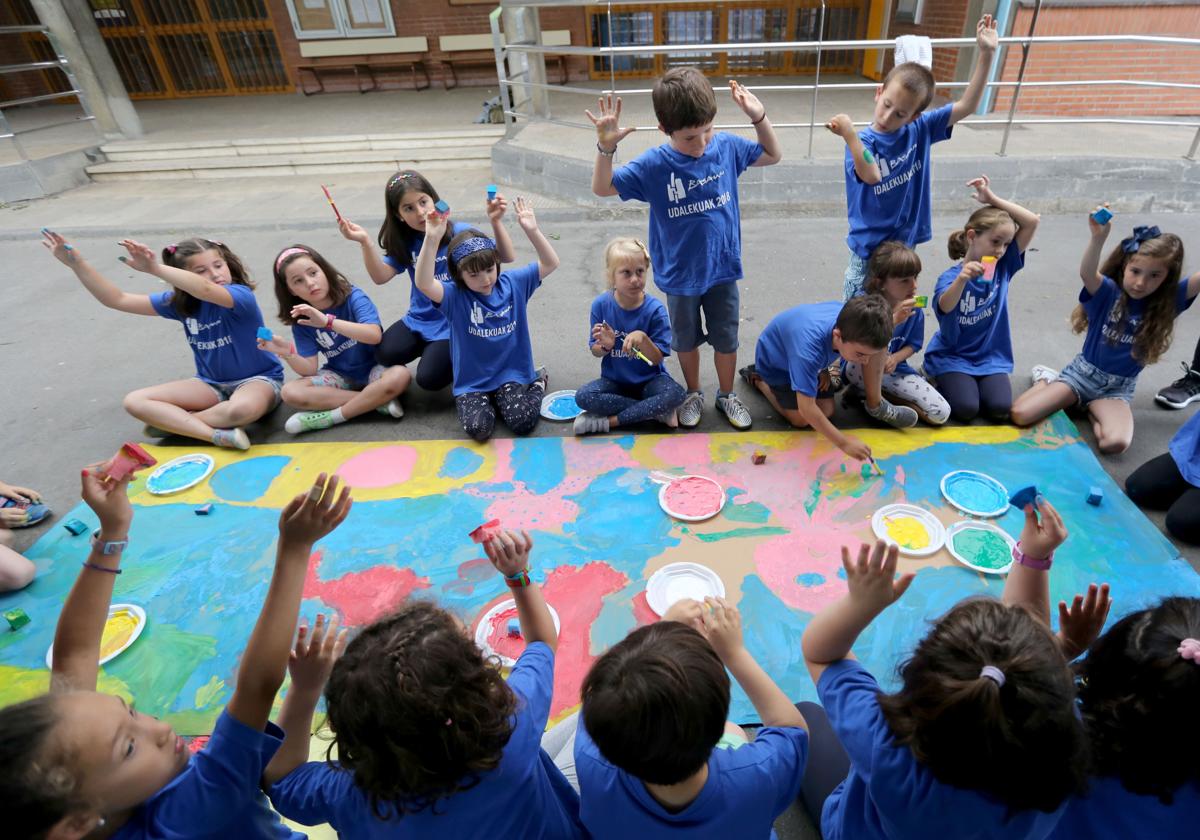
[217, 795]
[911, 333]
[489, 334]
[796, 346]
[1185, 449]
[651, 318]
[747, 788]
[899, 206]
[695, 223]
[1108, 343]
[1111, 811]
[526, 796]
[888, 793]
[974, 338]
[423, 318]
[224, 341]
[342, 354]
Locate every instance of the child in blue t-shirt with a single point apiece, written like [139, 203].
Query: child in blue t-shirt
[691, 185]
[631, 333]
[422, 332]
[1170, 482]
[76, 762]
[794, 353]
[981, 740]
[892, 272]
[432, 740]
[887, 163]
[971, 355]
[332, 318]
[1128, 307]
[489, 325]
[655, 753]
[236, 383]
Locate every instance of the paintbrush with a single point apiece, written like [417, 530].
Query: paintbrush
[331, 204]
[878, 469]
[641, 356]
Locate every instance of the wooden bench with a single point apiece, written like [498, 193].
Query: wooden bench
[477, 51]
[362, 57]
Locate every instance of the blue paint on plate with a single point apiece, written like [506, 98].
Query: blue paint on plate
[564, 407]
[976, 493]
[177, 476]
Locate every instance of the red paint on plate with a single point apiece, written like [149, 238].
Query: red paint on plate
[694, 496]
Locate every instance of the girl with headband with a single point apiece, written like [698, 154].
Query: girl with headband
[330, 317]
[212, 296]
[489, 324]
[1127, 307]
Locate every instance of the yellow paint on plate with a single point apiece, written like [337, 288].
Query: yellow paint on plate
[117, 630]
[909, 532]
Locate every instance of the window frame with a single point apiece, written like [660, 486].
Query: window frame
[340, 12]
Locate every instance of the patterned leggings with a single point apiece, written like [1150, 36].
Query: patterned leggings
[631, 403]
[908, 388]
[519, 406]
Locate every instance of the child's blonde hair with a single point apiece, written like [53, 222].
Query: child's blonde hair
[621, 250]
[983, 219]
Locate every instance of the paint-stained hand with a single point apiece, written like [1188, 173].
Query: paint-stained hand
[314, 653]
[687, 611]
[62, 250]
[139, 256]
[855, 448]
[842, 126]
[18, 494]
[723, 627]
[871, 578]
[313, 514]
[1041, 535]
[509, 551]
[353, 232]
[1080, 623]
[496, 208]
[108, 499]
[608, 130]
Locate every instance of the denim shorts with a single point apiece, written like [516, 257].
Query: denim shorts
[332, 379]
[224, 390]
[1090, 383]
[722, 309]
[856, 275]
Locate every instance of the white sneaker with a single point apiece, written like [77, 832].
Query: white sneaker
[231, 439]
[690, 409]
[392, 408]
[590, 424]
[1041, 373]
[735, 411]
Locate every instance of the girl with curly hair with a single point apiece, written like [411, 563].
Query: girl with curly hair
[431, 740]
[1128, 308]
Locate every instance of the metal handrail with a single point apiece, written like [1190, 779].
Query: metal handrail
[1025, 42]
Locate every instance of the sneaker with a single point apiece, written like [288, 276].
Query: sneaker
[590, 424]
[309, 421]
[542, 378]
[896, 416]
[735, 411]
[1182, 392]
[750, 375]
[231, 439]
[1041, 373]
[155, 432]
[690, 409]
[392, 408]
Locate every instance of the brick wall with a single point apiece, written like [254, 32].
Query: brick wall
[939, 19]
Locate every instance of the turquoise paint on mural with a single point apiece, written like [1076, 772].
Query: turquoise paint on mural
[811, 578]
[738, 533]
[460, 462]
[772, 631]
[541, 466]
[246, 481]
[748, 512]
[616, 618]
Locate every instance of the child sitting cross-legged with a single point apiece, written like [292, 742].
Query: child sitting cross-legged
[654, 752]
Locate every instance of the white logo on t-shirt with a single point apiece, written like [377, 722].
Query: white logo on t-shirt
[675, 188]
[325, 339]
[884, 169]
[476, 313]
[193, 326]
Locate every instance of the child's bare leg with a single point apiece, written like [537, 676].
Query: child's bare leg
[391, 384]
[726, 365]
[1040, 401]
[305, 395]
[16, 571]
[792, 415]
[248, 403]
[1112, 421]
[169, 407]
[689, 363]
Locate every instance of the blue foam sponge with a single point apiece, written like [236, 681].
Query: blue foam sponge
[1095, 496]
[1024, 496]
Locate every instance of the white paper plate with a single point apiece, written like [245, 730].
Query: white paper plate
[688, 517]
[548, 401]
[484, 629]
[933, 527]
[968, 525]
[981, 482]
[198, 465]
[139, 616]
[677, 581]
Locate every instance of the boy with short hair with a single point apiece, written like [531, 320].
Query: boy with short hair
[691, 186]
[654, 753]
[887, 163]
[794, 353]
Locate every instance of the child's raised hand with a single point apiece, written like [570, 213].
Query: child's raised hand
[312, 515]
[723, 627]
[140, 257]
[747, 101]
[1081, 623]
[314, 653]
[353, 232]
[871, 578]
[435, 225]
[1095, 227]
[108, 499]
[855, 448]
[509, 551]
[970, 270]
[605, 336]
[307, 315]
[608, 130]
[986, 36]
[983, 190]
[1041, 536]
[841, 125]
[58, 245]
[687, 611]
[496, 208]
[525, 215]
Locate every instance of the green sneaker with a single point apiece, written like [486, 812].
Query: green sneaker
[309, 421]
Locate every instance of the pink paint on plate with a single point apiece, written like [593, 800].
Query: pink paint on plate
[498, 638]
[381, 467]
[694, 497]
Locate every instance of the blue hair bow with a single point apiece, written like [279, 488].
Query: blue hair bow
[1141, 233]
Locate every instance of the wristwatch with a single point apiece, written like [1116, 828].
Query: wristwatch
[1023, 559]
[108, 546]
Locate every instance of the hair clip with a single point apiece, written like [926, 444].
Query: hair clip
[171, 249]
[1141, 233]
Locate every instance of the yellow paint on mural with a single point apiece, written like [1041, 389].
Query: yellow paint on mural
[22, 684]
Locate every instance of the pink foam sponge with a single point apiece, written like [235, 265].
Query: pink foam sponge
[485, 531]
[129, 459]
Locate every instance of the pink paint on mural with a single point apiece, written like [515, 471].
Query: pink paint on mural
[380, 467]
[596, 456]
[502, 448]
[524, 509]
[687, 451]
[362, 597]
[642, 613]
[898, 475]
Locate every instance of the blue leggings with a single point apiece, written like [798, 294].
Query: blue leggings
[631, 403]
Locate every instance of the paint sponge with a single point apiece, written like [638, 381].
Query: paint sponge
[514, 627]
[16, 619]
[265, 334]
[75, 526]
[1095, 496]
[1024, 496]
[129, 459]
[485, 531]
[759, 458]
[442, 207]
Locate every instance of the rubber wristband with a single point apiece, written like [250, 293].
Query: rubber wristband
[518, 581]
[329, 319]
[760, 119]
[1021, 558]
[603, 152]
[88, 565]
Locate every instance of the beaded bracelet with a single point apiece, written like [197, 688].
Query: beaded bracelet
[603, 151]
[518, 581]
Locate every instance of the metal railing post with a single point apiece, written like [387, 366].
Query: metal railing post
[612, 64]
[6, 131]
[1012, 106]
[1191, 155]
[501, 71]
[812, 115]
